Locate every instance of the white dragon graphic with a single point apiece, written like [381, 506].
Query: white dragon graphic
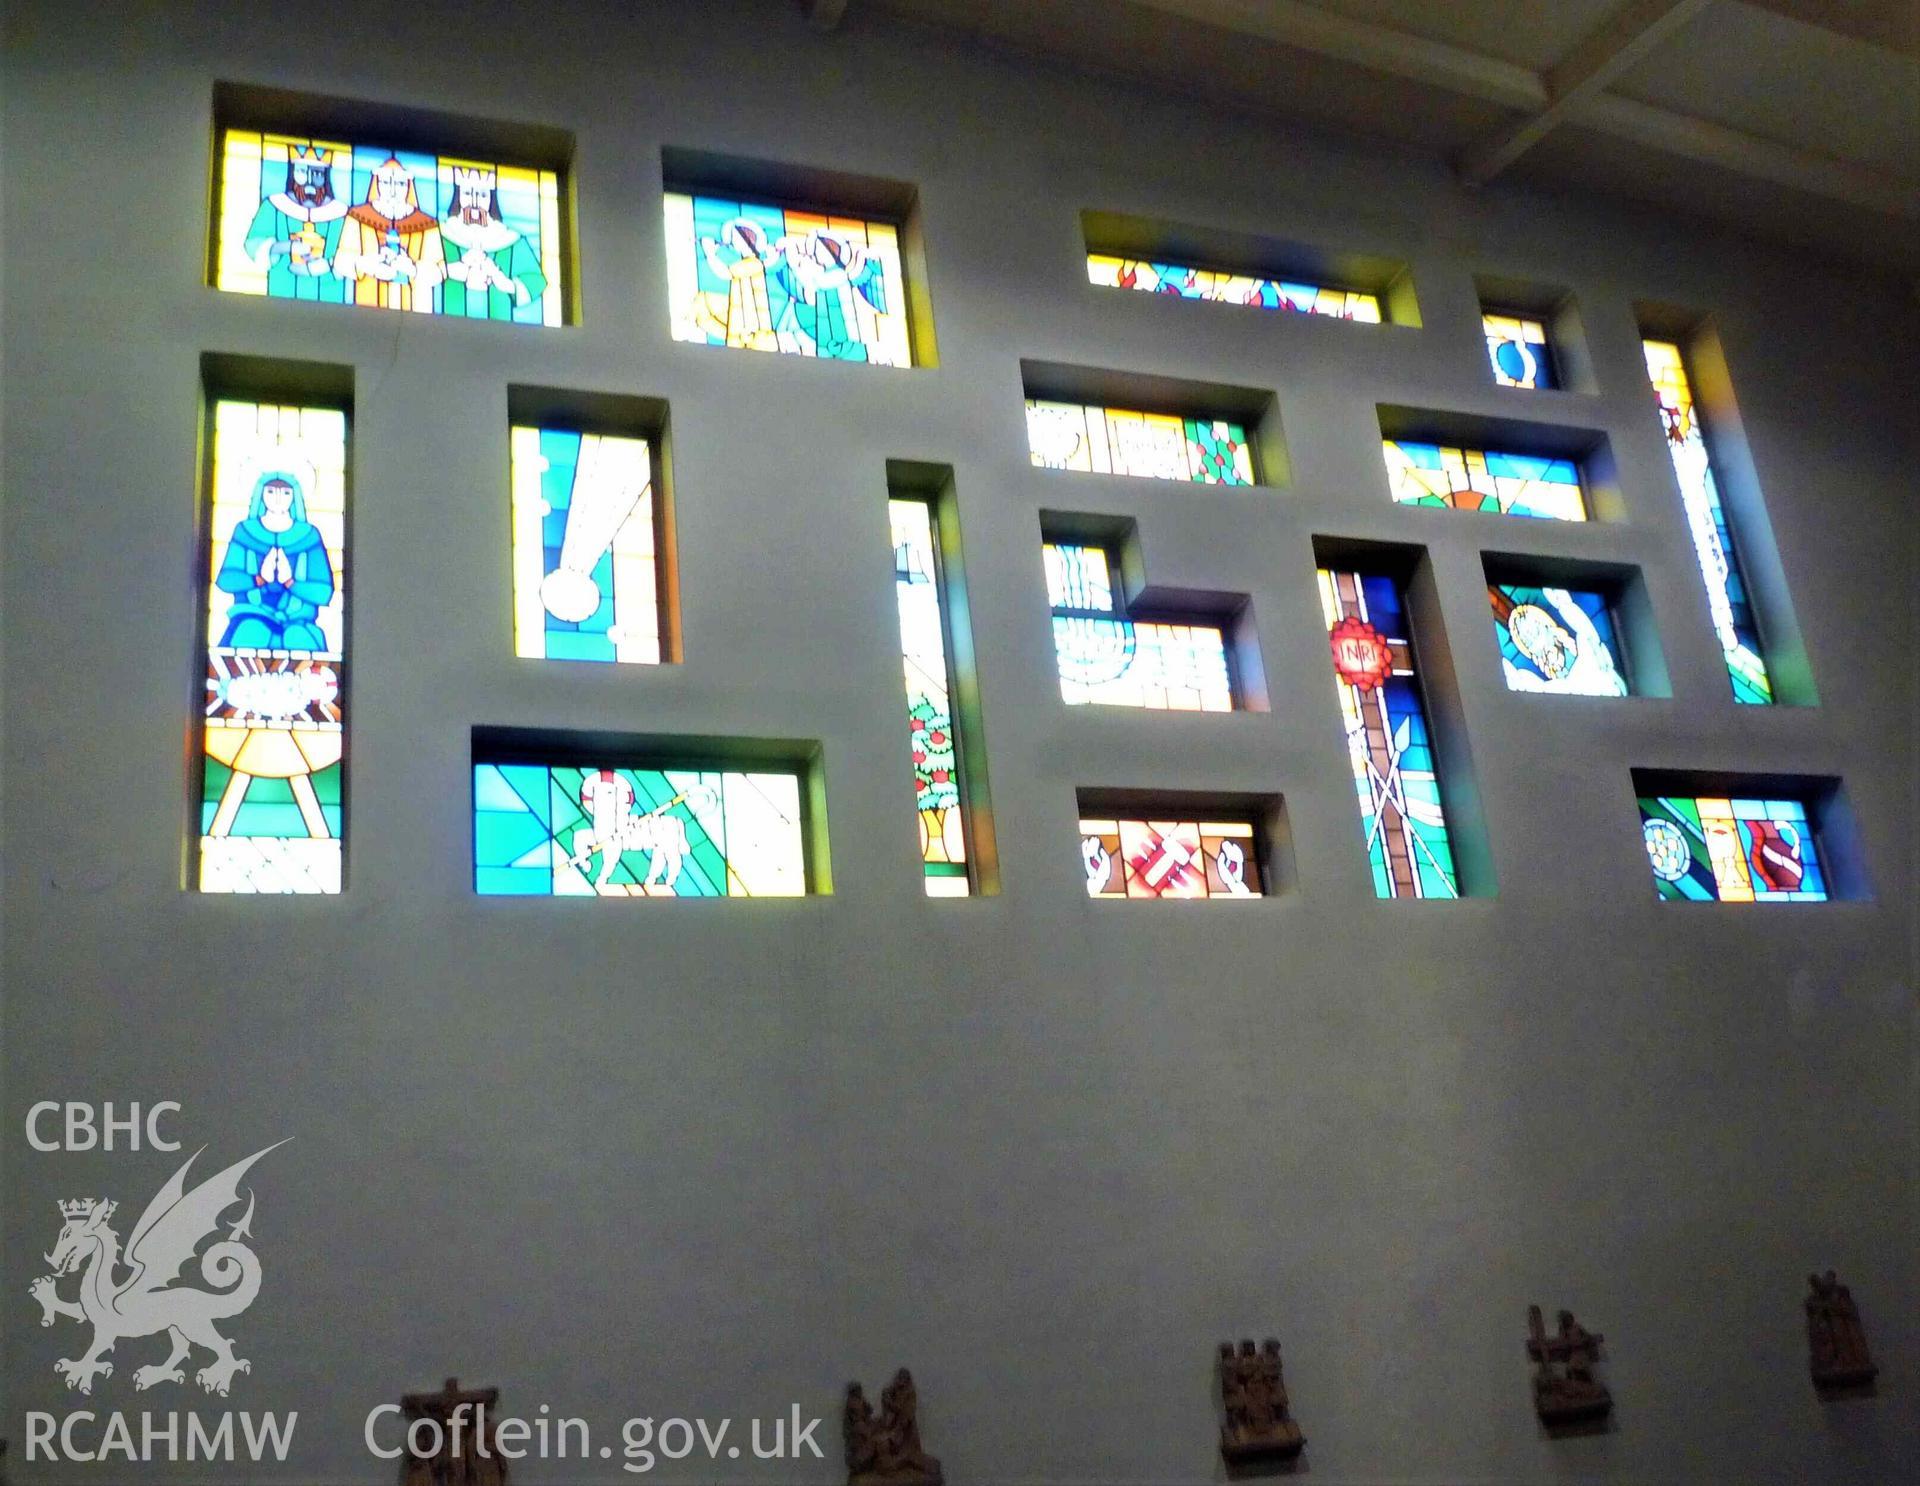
[146, 1302]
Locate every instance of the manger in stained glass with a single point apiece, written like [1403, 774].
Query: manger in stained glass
[1389, 743]
[1519, 350]
[586, 581]
[1713, 548]
[933, 734]
[1185, 282]
[1717, 849]
[1170, 858]
[1155, 446]
[331, 222]
[1104, 657]
[760, 277]
[1505, 483]
[1558, 640]
[564, 830]
[273, 727]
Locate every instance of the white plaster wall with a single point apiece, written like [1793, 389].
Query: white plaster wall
[714, 1158]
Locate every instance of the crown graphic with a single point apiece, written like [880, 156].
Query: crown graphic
[315, 156]
[80, 1207]
[475, 175]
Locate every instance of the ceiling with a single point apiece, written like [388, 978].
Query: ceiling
[1796, 121]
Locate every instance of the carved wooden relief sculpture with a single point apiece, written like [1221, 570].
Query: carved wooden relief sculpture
[885, 1451]
[1565, 1390]
[1836, 1342]
[466, 1455]
[1257, 1428]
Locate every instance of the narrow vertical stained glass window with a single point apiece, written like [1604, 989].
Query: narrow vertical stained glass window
[1389, 746]
[562, 830]
[1185, 282]
[1154, 446]
[1732, 851]
[1106, 657]
[338, 223]
[1733, 619]
[1495, 480]
[1170, 859]
[1557, 639]
[586, 582]
[274, 724]
[1519, 351]
[760, 277]
[919, 585]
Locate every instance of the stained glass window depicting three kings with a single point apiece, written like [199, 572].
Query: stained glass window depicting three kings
[333, 222]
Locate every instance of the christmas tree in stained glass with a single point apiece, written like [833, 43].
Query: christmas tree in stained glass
[1713, 548]
[273, 727]
[919, 587]
[1389, 744]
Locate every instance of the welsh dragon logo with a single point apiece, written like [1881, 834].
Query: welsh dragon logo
[147, 1301]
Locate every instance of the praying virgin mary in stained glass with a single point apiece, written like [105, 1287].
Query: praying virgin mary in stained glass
[277, 570]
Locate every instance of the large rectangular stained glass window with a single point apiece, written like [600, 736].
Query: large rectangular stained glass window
[586, 579]
[1560, 640]
[933, 733]
[274, 723]
[1389, 744]
[1105, 657]
[1184, 282]
[573, 831]
[1155, 446]
[1732, 851]
[761, 277]
[1733, 618]
[1170, 858]
[1493, 480]
[334, 222]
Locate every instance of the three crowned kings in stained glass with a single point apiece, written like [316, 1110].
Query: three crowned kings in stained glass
[364, 224]
[475, 239]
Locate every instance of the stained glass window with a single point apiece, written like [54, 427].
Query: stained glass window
[1732, 851]
[933, 734]
[1519, 351]
[1230, 288]
[1558, 639]
[1484, 480]
[1106, 657]
[585, 557]
[339, 223]
[1156, 446]
[1170, 859]
[1733, 619]
[1389, 746]
[768, 278]
[574, 832]
[275, 711]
